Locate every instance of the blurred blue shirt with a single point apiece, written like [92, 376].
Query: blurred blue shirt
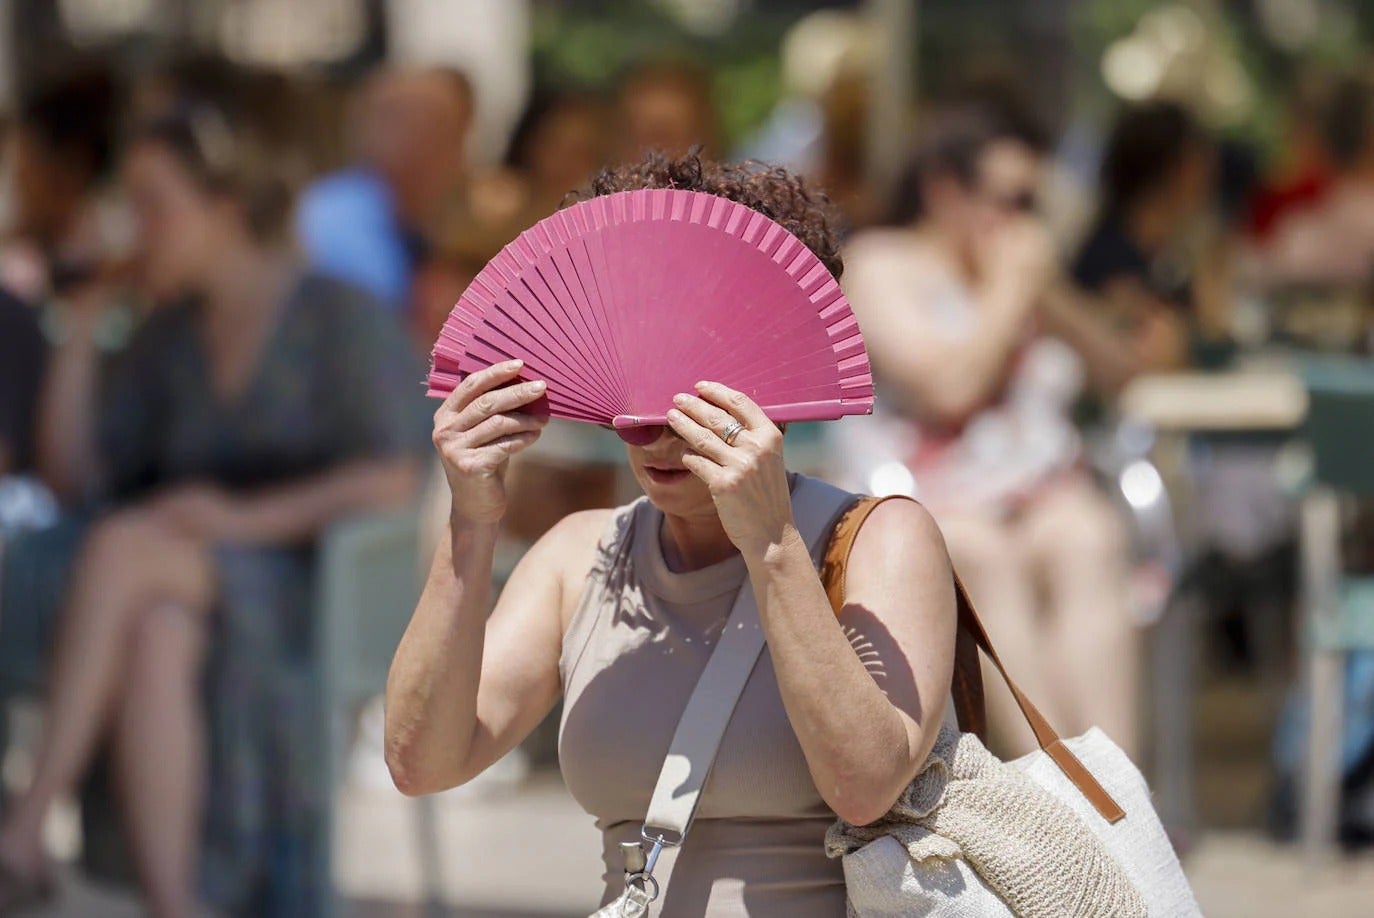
[347, 223]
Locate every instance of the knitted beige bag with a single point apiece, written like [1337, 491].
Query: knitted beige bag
[1066, 830]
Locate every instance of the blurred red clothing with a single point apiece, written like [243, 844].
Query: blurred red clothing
[1273, 202]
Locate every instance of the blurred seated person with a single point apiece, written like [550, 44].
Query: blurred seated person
[665, 105]
[60, 151]
[258, 403]
[1156, 184]
[1331, 241]
[374, 223]
[1303, 171]
[980, 353]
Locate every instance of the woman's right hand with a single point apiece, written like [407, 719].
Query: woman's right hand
[477, 429]
[1019, 256]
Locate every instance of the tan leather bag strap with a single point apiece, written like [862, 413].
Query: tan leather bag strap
[967, 684]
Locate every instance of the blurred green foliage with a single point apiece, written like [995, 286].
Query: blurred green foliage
[588, 43]
[1340, 44]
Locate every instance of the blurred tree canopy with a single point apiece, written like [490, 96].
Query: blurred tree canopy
[1051, 51]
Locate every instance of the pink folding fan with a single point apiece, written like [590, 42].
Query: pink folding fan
[621, 301]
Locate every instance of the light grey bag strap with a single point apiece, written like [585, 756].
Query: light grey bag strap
[815, 507]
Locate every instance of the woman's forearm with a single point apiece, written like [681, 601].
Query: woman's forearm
[431, 692]
[1108, 358]
[301, 509]
[856, 742]
[948, 383]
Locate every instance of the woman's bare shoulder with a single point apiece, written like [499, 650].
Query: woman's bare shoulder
[569, 549]
[886, 246]
[899, 535]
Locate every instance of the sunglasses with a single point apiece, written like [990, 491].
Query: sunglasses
[1021, 202]
[638, 436]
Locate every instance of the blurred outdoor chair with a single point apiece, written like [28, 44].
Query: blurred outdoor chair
[366, 583]
[1338, 608]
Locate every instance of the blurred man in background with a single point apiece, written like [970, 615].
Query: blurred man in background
[374, 224]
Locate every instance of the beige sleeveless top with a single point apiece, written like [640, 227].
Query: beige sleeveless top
[634, 649]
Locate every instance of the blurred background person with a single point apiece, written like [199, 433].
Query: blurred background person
[376, 222]
[1302, 173]
[559, 143]
[258, 402]
[560, 140]
[60, 152]
[1155, 182]
[1328, 238]
[983, 356]
[665, 104]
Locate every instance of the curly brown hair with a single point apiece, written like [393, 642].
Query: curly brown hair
[783, 197]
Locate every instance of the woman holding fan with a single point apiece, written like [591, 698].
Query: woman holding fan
[618, 611]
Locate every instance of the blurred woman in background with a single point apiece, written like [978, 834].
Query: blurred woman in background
[1157, 182]
[982, 348]
[254, 406]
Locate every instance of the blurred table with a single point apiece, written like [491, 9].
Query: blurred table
[1262, 397]
[1267, 398]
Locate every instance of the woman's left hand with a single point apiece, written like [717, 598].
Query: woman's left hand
[747, 478]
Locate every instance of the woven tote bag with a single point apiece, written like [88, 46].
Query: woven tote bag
[1090, 775]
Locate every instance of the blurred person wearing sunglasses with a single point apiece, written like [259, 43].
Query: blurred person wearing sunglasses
[256, 404]
[981, 348]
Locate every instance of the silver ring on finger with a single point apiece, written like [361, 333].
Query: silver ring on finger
[731, 432]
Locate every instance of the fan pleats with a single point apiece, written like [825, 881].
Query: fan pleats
[621, 301]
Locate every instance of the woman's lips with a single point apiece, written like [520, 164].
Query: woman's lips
[665, 475]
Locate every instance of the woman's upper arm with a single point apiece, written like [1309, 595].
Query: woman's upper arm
[887, 298]
[520, 678]
[900, 615]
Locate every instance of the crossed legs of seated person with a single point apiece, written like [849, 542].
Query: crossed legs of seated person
[124, 670]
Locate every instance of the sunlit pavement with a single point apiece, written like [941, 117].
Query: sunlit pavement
[530, 852]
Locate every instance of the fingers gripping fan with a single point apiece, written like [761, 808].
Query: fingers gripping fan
[621, 301]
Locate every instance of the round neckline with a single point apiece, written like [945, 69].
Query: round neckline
[725, 576]
[704, 583]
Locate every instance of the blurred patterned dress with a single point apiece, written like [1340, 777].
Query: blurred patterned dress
[336, 381]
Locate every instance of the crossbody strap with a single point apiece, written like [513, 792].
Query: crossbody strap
[967, 684]
[815, 507]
